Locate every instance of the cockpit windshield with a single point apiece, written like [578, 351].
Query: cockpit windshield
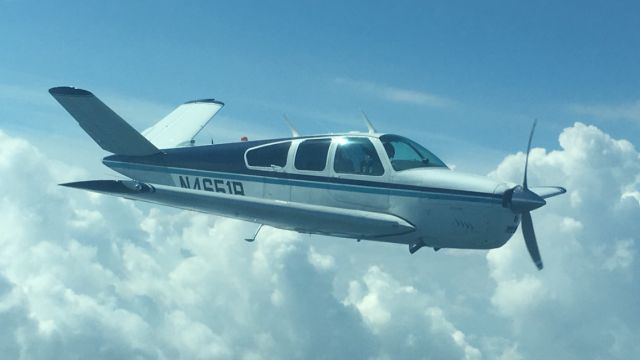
[406, 154]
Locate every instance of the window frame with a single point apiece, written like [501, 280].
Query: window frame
[377, 146]
[272, 167]
[327, 162]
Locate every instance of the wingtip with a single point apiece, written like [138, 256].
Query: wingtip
[206, 101]
[118, 187]
[91, 185]
[69, 185]
[68, 90]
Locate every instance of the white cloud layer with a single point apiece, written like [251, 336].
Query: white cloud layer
[87, 276]
[398, 95]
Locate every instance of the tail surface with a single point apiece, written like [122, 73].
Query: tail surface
[105, 127]
[182, 124]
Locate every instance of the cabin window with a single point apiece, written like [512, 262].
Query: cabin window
[270, 155]
[405, 154]
[312, 154]
[357, 156]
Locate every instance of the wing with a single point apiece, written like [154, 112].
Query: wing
[304, 218]
[182, 124]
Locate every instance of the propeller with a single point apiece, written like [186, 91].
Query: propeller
[522, 201]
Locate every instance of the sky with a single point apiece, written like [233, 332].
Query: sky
[83, 275]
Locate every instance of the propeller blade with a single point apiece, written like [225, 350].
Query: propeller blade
[526, 162]
[530, 239]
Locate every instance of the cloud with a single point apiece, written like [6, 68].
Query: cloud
[83, 275]
[89, 276]
[622, 255]
[407, 322]
[581, 303]
[398, 95]
[628, 111]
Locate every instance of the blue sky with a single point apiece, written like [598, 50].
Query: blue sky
[88, 276]
[499, 65]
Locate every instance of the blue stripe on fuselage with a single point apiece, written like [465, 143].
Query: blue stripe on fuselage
[321, 182]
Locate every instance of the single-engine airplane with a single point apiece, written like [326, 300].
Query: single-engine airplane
[359, 185]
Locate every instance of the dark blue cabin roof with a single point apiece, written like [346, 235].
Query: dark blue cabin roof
[217, 157]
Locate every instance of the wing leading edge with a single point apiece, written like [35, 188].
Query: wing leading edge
[304, 218]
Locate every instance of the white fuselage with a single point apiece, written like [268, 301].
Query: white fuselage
[449, 209]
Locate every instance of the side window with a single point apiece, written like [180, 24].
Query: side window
[266, 156]
[357, 156]
[312, 154]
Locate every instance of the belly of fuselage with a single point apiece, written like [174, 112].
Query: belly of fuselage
[470, 226]
[458, 222]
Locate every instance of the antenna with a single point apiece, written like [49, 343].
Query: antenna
[209, 133]
[370, 127]
[294, 132]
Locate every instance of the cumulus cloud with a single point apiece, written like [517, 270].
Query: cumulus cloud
[395, 94]
[583, 302]
[409, 323]
[83, 275]
[90, 276]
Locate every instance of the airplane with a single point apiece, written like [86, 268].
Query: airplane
[358, 185]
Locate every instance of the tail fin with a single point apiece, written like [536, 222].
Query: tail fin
[548, 191]
[107, 128]
[182, 124]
